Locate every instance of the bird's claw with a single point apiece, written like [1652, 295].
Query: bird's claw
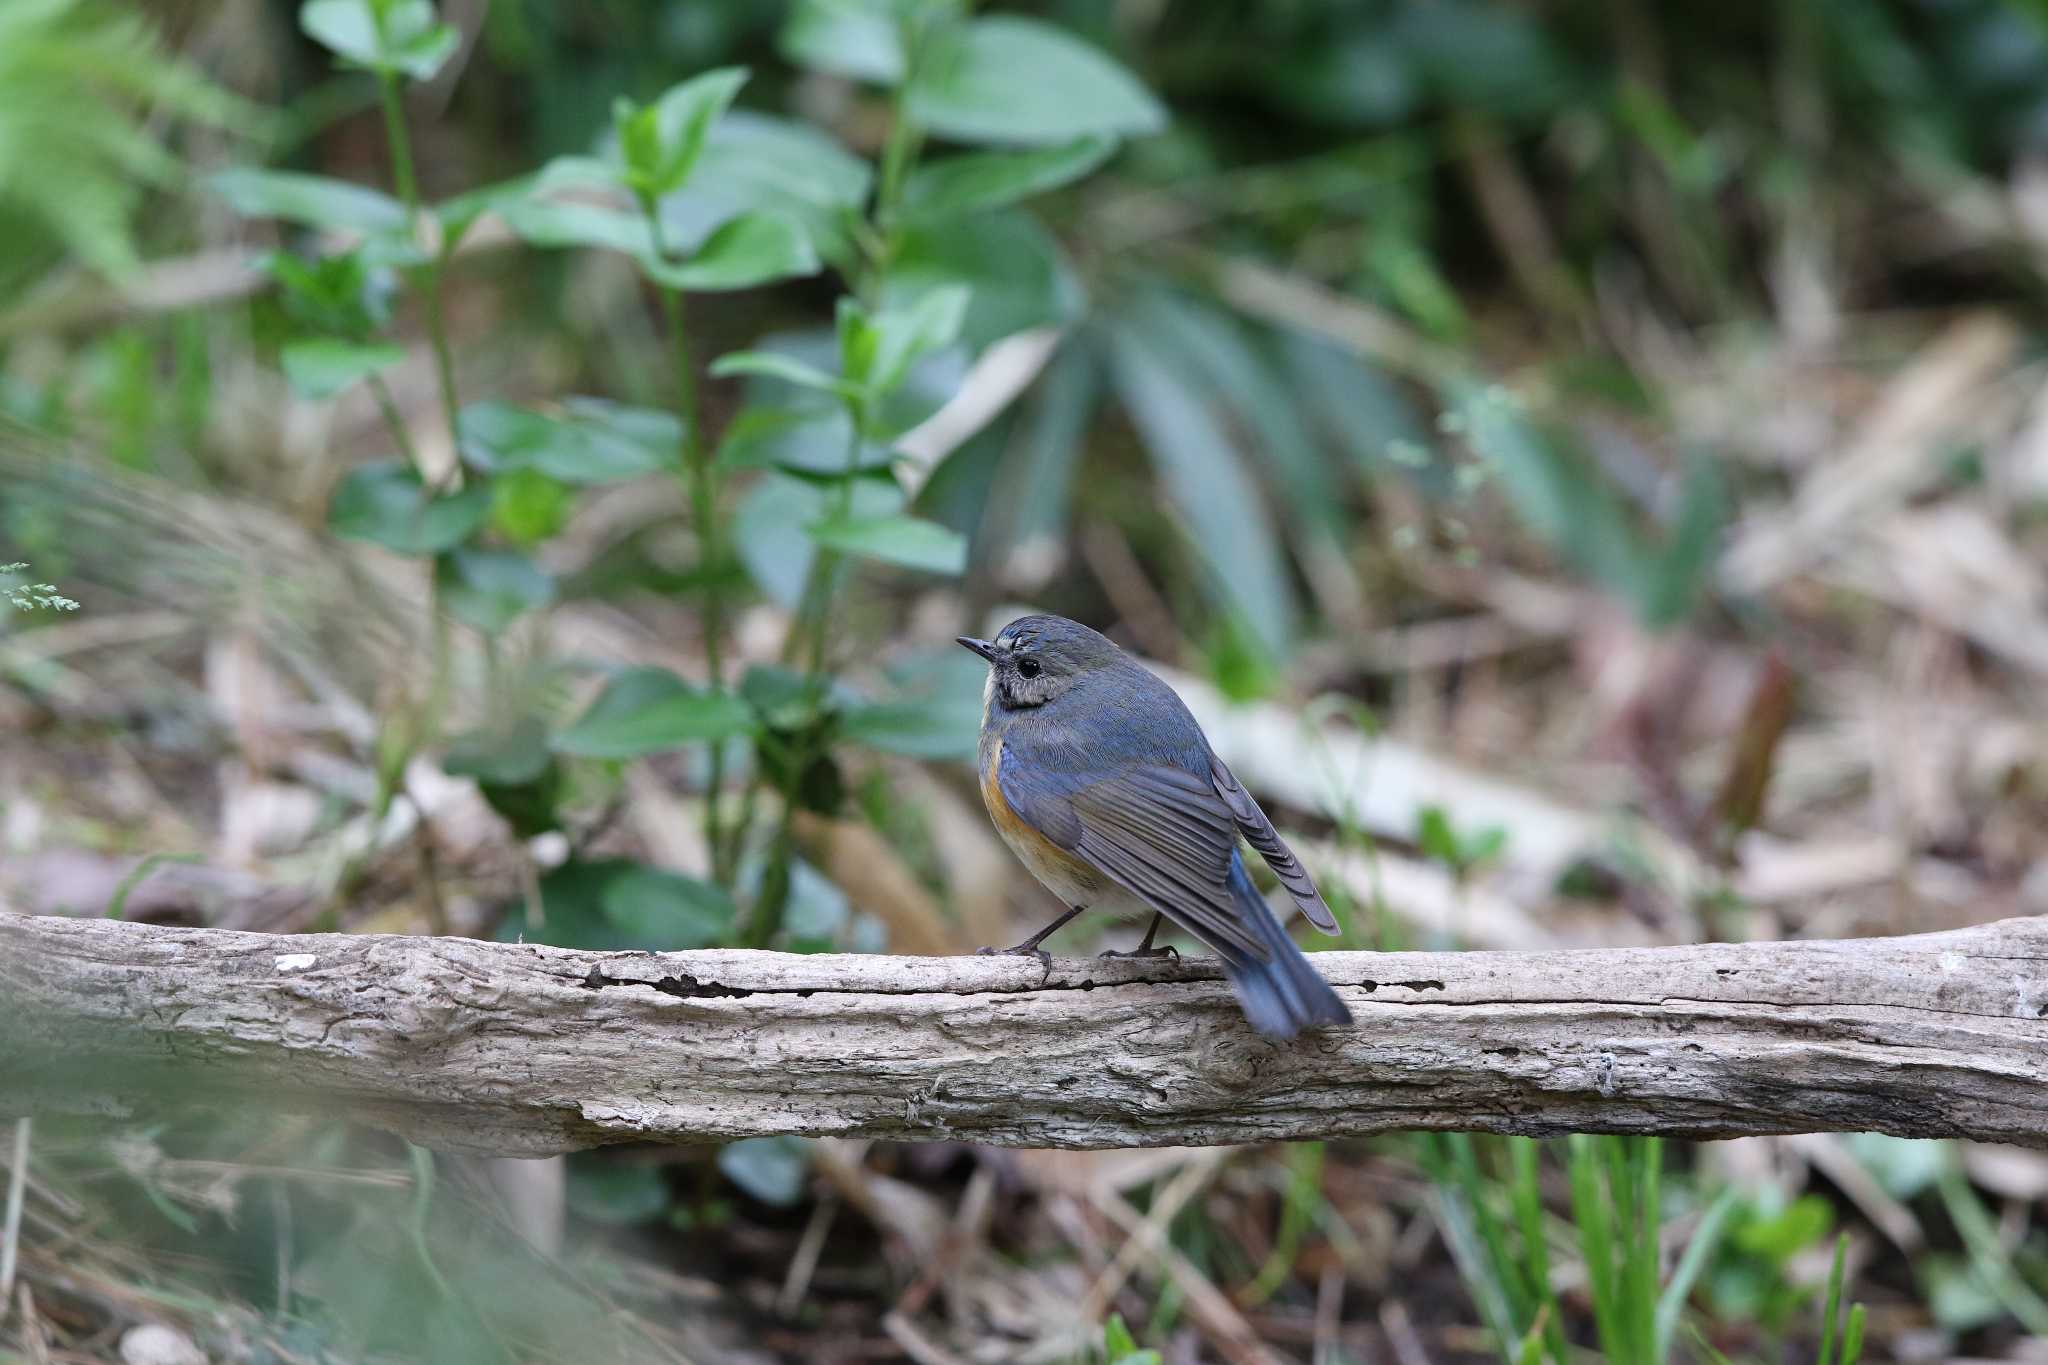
[1163, 950]
[1021, 950]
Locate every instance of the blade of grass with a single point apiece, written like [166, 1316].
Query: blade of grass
[1981, 1238]
[1832, 1313]
[1705, 1239]
[1596, 1241]
[1526, 1191]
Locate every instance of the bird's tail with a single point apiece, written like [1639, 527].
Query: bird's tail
[1284, 994]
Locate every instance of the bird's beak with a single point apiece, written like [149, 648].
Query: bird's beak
[982, 647]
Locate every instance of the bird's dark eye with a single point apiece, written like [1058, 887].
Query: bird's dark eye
[1028, 668]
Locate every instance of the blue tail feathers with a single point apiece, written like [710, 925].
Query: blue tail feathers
[1284, 994]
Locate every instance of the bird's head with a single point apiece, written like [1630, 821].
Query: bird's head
[1036, 659]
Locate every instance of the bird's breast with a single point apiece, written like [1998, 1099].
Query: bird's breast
[1066, 876]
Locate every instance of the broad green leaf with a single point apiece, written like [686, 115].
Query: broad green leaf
[590, 442]
[774, 1170]
[321, 367]
[386, 503]
[340, 295]
[1206, 483]
[315, 200]
[877, 350]
[612, 1194]
[568, 222]
[936, 714]
[527, 506]
[648, 711]
[757, 163]
[769, 527]
[909, 541]
[490, 589]
[683, 120]
[981, 181]
[1013, 80]
[401, 36]
[1013, 268]
[750, 250]
[515, 772]
[805, 443]
[513, 755]
[769, 365]
[857, 38]
[460, 213]
[614, 904]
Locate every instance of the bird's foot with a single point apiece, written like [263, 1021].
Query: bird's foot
[1163, 950]
[1027, 949]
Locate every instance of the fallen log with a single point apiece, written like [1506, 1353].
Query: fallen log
[524, 1050]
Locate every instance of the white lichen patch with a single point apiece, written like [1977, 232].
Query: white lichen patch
[295, 962]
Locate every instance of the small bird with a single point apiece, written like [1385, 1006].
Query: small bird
[1102, 783]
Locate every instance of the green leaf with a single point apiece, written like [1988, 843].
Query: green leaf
[615, 905]
[770, 365]
[908, 541]
[649, 711]
[507, 757]
[460, 213]
[400, 36]
[876, 351]
[515, 772]
[569, 223]
[770, 533]
[614, 1195]
[1666, 595]
[321, 367]
[315, 200]
[683, 118]
[989, 180]
[1209, 488]
[746, 251]
[774, 1170]
[857, 38]
[757, 163]
[1007, 79]
[490, 589]
[1013, 267]
[527, 506]
[386, 503]
[591, 442]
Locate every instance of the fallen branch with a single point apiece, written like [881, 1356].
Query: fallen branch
[524, 1050]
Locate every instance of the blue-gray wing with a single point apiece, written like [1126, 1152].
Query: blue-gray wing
[1260, 834]
[1159, 832]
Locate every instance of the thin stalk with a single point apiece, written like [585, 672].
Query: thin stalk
[400, 142]
[388, 406]
[812, 637]
[1526, 1194]
[703, 491]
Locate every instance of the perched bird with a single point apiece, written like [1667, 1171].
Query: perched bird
[1105, 787]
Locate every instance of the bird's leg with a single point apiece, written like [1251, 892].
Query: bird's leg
[1029, 947]
[1146, 949]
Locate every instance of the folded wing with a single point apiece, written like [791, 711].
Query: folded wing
[1163, 834]
[1260, 834]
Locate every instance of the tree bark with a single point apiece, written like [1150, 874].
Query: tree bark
[524, 1050]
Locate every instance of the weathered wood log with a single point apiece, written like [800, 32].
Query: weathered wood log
[525, 1050]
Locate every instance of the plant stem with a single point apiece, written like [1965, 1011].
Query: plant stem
[400, 142]
[703, 490]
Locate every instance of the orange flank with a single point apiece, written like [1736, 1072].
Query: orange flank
[1060, 870]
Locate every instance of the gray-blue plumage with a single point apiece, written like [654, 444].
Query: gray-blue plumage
[1103, 783]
